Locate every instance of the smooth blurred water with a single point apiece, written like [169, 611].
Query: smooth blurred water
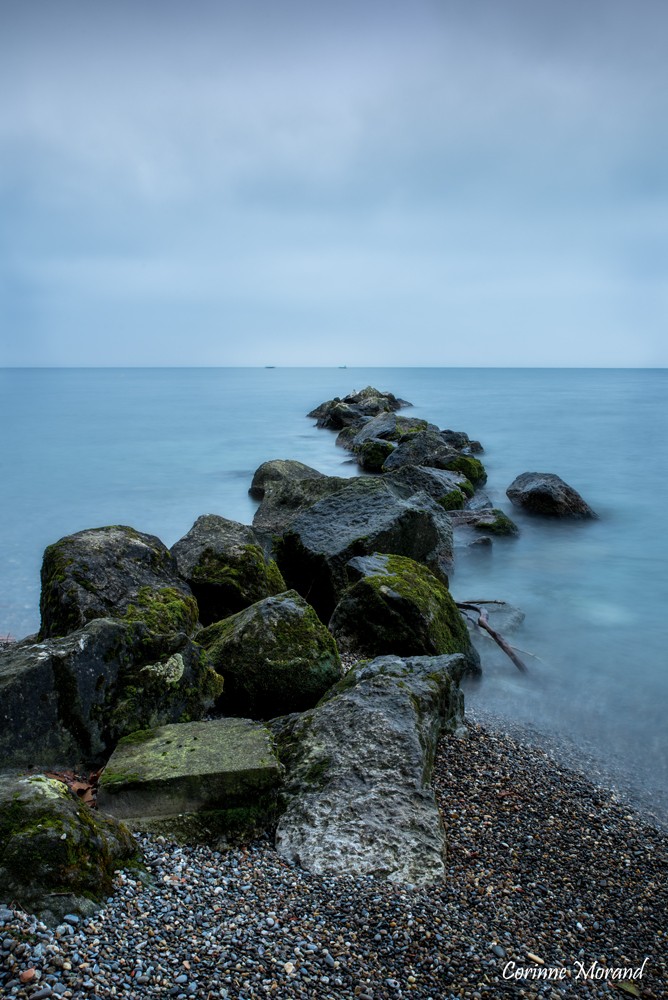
[155, 448]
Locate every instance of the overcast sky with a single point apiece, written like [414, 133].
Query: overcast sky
[465, 182]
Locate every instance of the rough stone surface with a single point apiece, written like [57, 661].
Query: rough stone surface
[357, 790]
[372, 454]
[276, 657]
[390, 427]
[113, 572]
[430, 449]
[355, 408]
[439, 484]
[284, 501]
[487, 519]
[547, 494]
[365, 517]
[201, 780]
[280, 470]
[399, 607]
[70, 699]
[54, 850]
[225, 567]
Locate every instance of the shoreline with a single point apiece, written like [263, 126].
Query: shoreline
[543, 867]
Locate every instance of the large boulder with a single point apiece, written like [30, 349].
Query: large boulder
[398, 606]
[56, 854]
[280, 470]
[284, 500]
[390, 427]
[357, 794]
[225, 567]
[210, 782]
[69, 700]
[113, 572]
[547, 494]
[276, 657]
[365, 517]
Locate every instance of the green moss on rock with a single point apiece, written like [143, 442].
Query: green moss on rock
[454, 500]
[400, 608]
[164, 610]
[470, 467]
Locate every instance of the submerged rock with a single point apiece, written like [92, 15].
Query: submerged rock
[205, 782]
[355, 408]
[486, 519]
[113, 572]
[547, 494]
[276, 657]
[365, 517]
[357, 793]
[56, 854]
[225, 567]
[70, 699]
[398, 606]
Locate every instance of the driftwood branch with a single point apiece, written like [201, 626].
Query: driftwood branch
[482, 621]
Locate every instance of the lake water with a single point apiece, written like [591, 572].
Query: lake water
[155, 448]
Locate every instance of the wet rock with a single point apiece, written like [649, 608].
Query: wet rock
[488, 520]
[113, 572]
[365, 517]
[276, 657]
[198, 781]
[225, 566]
[449, 489]
[357, 793]
[355, 408]
[547, 494]
[54, 850]
[280, 470]
[70, 699]
[283, 501]
[398, 606]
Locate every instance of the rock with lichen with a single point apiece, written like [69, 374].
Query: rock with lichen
[225, 566]
[357, 795]
[280, 470]
[398, 606]
[57, 855]
[70, 699]
[276, 657]
[284, 500]
[113, 572]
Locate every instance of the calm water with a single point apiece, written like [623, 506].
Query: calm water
[154, 448]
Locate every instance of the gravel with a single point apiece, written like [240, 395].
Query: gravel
[543, 867]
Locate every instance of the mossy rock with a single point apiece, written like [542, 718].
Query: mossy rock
[112, 572]
[399, 607]
[68, 700]
[471, 468]
[372, 454]
[276, 657]
[199, 781]
[495, 522]
[454, 500]
[225, 566]
[280, 470]
[54, 850]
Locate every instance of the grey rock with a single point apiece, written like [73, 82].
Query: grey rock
[358, 800]
[112, 572]
[422, 448]
[284, 501]
[436, 483]
[280, 470]
[365, 517]
[70, 699]
[225, 566]
[547, 494]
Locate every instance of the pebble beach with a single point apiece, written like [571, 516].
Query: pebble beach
[553, 886]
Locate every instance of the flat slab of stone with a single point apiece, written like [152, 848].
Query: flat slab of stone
[225, 772]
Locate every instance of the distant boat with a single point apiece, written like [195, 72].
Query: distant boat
[343, 366]
[270, 366]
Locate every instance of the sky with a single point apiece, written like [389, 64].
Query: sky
[440, 182]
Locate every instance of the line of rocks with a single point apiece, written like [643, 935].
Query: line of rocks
[542, 867]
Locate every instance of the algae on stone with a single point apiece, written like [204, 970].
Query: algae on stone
[399, 607]
[275, 656]
[201, 780]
